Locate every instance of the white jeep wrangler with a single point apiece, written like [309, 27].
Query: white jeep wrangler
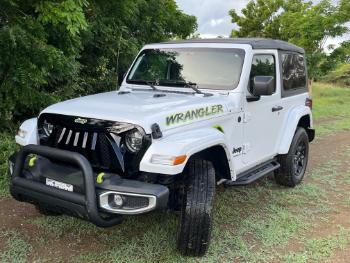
[188, 116]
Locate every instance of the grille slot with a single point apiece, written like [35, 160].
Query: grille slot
[95, 146]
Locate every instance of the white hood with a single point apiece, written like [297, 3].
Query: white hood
[141, 107]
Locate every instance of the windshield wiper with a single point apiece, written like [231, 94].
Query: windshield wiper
[193, 86]
[150, 83]
[188, 84]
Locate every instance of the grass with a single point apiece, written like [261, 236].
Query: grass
[331, 110]
[252, 224]
[265, 216]
[320, 249]
[16, 249]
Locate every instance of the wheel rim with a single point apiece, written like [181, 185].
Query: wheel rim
[299, 159]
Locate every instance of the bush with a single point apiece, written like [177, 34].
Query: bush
[341, 75]
[7, 147]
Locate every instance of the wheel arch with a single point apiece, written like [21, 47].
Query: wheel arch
[218, 157]
[305, 122]
[300, 116]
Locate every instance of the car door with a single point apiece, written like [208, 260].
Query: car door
[262, 115]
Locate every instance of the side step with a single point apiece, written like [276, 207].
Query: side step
[254, 173]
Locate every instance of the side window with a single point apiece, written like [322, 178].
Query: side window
[263, 65]
[293, 72]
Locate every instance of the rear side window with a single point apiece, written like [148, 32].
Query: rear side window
[263, 65]
[294, 79]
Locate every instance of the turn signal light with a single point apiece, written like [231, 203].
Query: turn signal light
[168, 160]
[180, 159]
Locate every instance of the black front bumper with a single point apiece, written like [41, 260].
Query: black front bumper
[84, 203]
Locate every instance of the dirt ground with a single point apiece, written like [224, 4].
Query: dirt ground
[18, 216]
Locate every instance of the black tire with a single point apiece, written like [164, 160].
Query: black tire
[47, 211]
[194, 230]
[294, 163]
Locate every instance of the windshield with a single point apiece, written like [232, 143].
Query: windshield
[209, 68]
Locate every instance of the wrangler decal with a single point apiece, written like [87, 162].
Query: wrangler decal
[194, 114]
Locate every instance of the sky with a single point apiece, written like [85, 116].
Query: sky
[213, 19]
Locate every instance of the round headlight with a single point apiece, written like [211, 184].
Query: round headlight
[47, 128]
[133, 140]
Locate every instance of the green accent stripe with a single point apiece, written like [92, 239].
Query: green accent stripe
[219, 128]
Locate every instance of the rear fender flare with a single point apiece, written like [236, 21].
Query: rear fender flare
[290, 127]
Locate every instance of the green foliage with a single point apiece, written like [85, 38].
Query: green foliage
[340, 75]
[339, 56]
[303, 23]
[118, 29]
[53, 50]
[36, 59]
[68, 13]
[7, 147]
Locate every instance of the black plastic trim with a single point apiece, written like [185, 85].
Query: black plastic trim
[311, 134]
[156, 131]
[88, 201]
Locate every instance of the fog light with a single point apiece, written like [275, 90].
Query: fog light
[118, 200]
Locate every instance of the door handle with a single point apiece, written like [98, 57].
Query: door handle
[277, 108]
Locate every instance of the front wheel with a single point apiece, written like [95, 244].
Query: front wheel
[196, 212]
[293, 164]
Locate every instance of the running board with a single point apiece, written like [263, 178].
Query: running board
[254, 173]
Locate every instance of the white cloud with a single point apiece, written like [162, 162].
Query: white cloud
[216, 22]
[212, 15]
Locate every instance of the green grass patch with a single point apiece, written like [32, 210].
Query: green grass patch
[16, 249]
[320, 249]
[250, 222]
[331, 111]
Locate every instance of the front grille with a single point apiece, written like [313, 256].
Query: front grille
[95, 146]
[100, 141]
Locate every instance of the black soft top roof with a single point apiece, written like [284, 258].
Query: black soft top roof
[256, 43]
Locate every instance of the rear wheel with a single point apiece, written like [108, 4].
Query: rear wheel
[293, 164]
[196, 212]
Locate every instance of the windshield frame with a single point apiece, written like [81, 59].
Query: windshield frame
[239, 50]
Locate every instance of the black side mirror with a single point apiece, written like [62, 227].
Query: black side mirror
[263, 86]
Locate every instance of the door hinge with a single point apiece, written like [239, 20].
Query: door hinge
[246, 148]
[247, 116]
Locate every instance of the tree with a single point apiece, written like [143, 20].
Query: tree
[303, 23]
[38, 51]
[58, 49]
[117, 31]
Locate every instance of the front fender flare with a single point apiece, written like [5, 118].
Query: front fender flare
[31, 137]
[290, 126]
[186, 143]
